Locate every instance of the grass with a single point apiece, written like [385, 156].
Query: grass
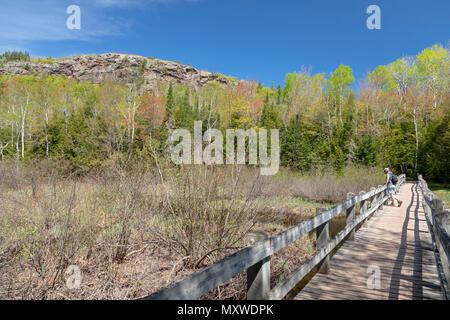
[441, 190]
[228, 78]
[47, 60]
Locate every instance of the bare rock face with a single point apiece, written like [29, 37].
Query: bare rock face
[124, 68]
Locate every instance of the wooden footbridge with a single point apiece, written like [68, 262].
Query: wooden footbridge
[384, 252]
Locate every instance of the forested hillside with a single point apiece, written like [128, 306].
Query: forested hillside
[398, 116]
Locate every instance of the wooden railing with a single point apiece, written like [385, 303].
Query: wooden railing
[438, 220]
[256, 257]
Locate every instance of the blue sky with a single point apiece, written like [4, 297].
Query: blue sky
[248, 39]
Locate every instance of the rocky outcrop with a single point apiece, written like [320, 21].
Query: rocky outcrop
[124, 68]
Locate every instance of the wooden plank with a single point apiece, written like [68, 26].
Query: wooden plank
[387, 273]
[346, 264]
[383, 263]
[356, 295]
[343, 288]
[341, 285]
[346, 289]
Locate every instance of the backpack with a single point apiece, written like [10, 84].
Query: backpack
[394, 178]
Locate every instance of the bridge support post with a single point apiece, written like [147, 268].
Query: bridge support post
[258, 275]
[350, 216]
[363, 210]
[322, 238]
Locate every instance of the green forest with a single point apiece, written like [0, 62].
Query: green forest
[397, 117]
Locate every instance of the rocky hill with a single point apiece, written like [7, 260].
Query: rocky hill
[122, 67]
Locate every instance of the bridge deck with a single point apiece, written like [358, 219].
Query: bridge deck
[398, 244]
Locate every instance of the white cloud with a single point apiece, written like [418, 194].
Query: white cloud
[46, 20]
[117, 3]
[128, 3]
[31, 20]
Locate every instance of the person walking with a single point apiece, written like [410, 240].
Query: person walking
[391, 189]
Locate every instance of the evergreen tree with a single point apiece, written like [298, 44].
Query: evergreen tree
[269, 116]
[170, 106]
[279, 93]
[260, 86]
[296, 147]
[435, 150]
[366, 151]
[398, 148]
[184, 114]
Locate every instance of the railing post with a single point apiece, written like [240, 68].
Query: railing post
[438, 205]
[444, 218]
[322, 238]
[385, 193]
[258, 275]
[350, 216]
[439, 212]
[363, 209]
[386, 202]
[372, 198]
[380, 201]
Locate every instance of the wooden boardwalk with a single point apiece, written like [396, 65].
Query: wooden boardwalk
[393, 256]
[395, 248]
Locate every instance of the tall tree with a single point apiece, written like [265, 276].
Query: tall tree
[338, 86]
